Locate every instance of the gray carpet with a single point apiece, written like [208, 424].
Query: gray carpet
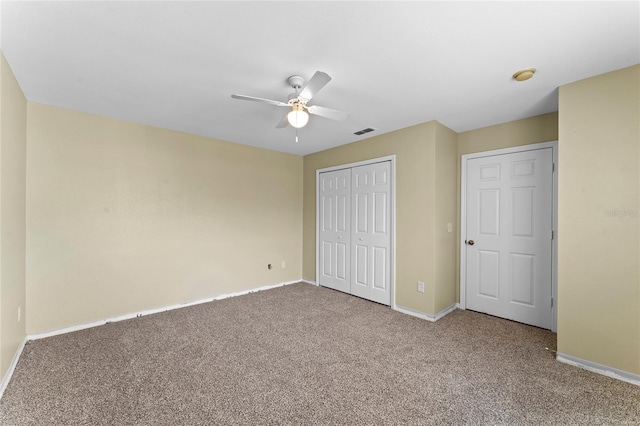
[304, 355]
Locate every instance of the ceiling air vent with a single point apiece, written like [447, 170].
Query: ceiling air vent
[363, 131]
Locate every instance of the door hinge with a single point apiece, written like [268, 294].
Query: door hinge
[552, 302]
[553, 235]
[553, 167]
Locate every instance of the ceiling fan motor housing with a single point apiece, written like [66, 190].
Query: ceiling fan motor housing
[297, 106]
[296, 81]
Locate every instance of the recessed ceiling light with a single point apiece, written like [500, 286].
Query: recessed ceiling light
[525, 74]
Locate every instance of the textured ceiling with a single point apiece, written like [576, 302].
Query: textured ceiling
[394, 64]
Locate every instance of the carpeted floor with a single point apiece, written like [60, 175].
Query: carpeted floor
[304, 355]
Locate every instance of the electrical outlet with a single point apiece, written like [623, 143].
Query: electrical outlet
[449, 227]
[269, 266]
[19, 313]
[284, 264]
[420, 286]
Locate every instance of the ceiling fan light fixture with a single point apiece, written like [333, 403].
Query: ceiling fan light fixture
[298, 117]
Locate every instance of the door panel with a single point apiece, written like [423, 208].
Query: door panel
[341, 261]
[371, 231]
[509, 216]
[380, 219]
[489, 212]
[379, 268]
[335, 230]
[342, 213]
[327, 269]
[327, 213]
[362, 213]
[361, 262]
[522, 284]
[522, 212]
[488, 268]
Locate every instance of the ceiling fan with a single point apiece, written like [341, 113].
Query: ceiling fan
[299, 115]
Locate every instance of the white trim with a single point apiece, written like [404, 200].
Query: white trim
[356, 164]
[317, 227]
[154, 311]
[7, 377]
[463, 235]
[309, 282]
[463, 219]
[594, 367]
[393, 231]
[422, 315]
[446, 311]
[554, 243]
[392, 160]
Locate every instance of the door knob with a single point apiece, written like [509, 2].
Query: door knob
[471, 242]
[361, 239]
[340, 237]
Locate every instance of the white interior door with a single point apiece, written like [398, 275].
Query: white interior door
[335, 229]
[370, 232]
[509, 221]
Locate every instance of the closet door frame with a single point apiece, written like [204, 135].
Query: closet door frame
[392, 219]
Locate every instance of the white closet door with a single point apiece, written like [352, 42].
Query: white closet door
[335, 229]
[370, 232]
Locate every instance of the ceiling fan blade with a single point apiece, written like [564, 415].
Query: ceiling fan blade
[313, 86]
[283, 123]
[328, 113]
[254, 99]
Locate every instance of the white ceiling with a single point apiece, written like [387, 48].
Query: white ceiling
[394, 64]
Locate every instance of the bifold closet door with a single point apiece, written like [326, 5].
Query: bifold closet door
[354, 219]
[335, 230]
[370, 232]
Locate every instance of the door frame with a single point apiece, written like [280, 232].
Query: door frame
[463, 219]
[392, 218]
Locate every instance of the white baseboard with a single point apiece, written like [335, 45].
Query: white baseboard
[605, 370]
[153, 311]
[422, 315]
[304, 280]
[12, 367]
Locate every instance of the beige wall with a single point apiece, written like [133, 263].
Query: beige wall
[445, 204]
[418, 208]
[598, 245]
[124, 217]
[13, 116]
[542, 128]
